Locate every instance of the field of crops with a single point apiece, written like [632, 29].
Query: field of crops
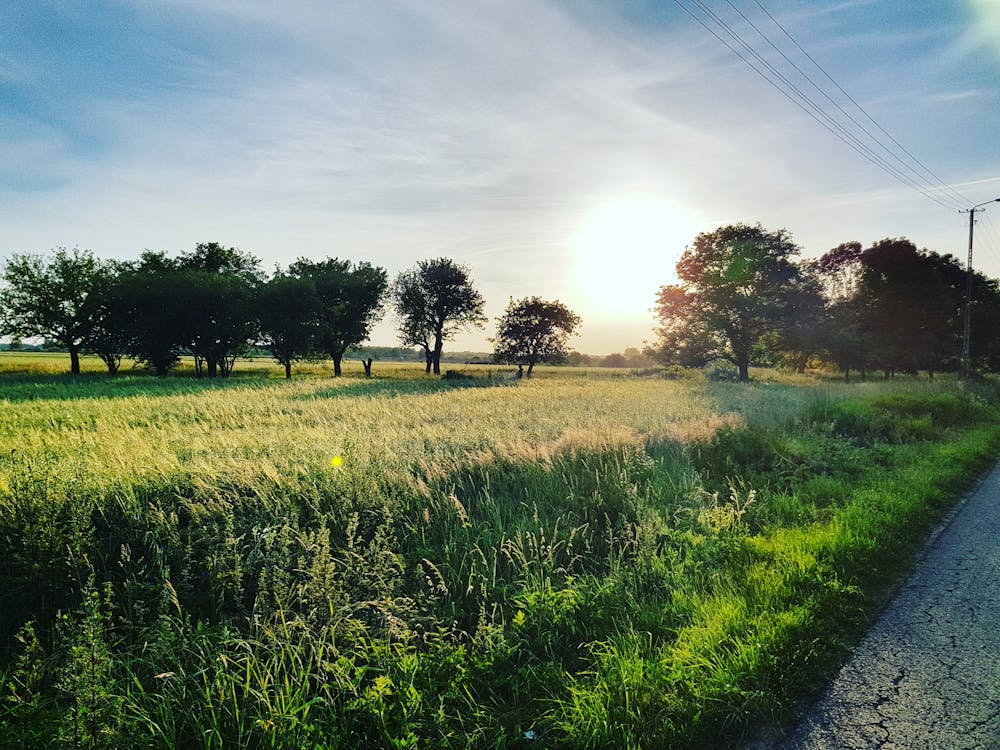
[585, 559]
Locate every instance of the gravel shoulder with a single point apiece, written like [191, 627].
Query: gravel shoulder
[927, 675]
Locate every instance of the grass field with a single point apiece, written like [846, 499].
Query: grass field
[588, 559]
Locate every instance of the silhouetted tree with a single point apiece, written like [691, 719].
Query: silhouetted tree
[52, 297]
[351, 298]
[797, 335]
[109, 337]
[288, 310]
[908, 309]
[841, 333]
[153, 293]
[435, 300]
[217, 304]
[736, 284]
[533, 330]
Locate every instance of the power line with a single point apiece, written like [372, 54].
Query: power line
[936, 185]
[964, 200]
[816, 111]
[783, 85]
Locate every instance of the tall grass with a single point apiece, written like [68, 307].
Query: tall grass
[572, 561]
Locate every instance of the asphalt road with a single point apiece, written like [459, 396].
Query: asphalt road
[928, 673]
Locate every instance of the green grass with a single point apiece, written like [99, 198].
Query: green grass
[595, 559]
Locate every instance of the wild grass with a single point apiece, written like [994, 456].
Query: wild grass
[578, 560]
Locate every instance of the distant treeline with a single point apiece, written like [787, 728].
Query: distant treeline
[743, 296]
[216, 304]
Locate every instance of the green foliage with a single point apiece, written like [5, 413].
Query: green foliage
[348, 302]
[435, 300]
[55, 297]
[533, 330]
[738, 285]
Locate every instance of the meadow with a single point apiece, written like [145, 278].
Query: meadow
[586, 559]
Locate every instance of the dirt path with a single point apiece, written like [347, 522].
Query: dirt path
[928, 673]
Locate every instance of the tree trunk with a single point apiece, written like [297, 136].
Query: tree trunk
[438, 346]
[744, 368]
[367, 364]
[337, 357]
[520, 371]
[288, 370]
[847, 374]
[213, 367]
[531, 366]
[430, 361]
[74, 359]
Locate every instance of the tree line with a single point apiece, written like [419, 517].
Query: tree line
[744, 296]
[216, 303]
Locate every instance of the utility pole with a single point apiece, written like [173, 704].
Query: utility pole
[966, 338]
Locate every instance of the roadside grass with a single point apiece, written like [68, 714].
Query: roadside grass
[575, 561]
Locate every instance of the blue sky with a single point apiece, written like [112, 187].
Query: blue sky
[568, 148]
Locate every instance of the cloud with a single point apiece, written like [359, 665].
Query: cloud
[395, 131]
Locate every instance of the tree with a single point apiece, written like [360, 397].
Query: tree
[841, 334]
[51, 297]
[351, 298]
[735, 288]
[908, 311]
[288, 311]
[798, 335]
[153, 296]
[217, 288]
[434, 301]
[533, 330]
[109, 337]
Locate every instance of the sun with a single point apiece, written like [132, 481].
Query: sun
[626, 249]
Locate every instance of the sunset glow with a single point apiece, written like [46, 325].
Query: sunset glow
[626, 249]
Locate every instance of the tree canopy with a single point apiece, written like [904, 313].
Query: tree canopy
[736, 286]
[53, 297]
[533, 330]
[435, 300]
[288, 313]
[350, 297]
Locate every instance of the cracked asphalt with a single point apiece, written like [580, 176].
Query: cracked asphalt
[927, 675]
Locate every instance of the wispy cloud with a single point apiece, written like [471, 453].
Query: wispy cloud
[399, 130]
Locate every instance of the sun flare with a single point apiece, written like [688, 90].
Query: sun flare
[626, 249]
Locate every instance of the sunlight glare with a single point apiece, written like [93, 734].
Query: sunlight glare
[626, 250]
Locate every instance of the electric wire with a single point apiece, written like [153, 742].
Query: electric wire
[815, 111]
[962, 198]
[936, 185]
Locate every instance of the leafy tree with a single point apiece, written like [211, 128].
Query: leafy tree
[351, 302]
[841, 333]
[51, 297]
[635, 358]
[533, 330]
[736, 284]
[217, 296]
[798, 334]
[109, 337]
[908, 308]
[288, 310]
[434, 300]
[152, 293]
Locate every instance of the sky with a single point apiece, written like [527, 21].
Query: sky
[563, 148]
